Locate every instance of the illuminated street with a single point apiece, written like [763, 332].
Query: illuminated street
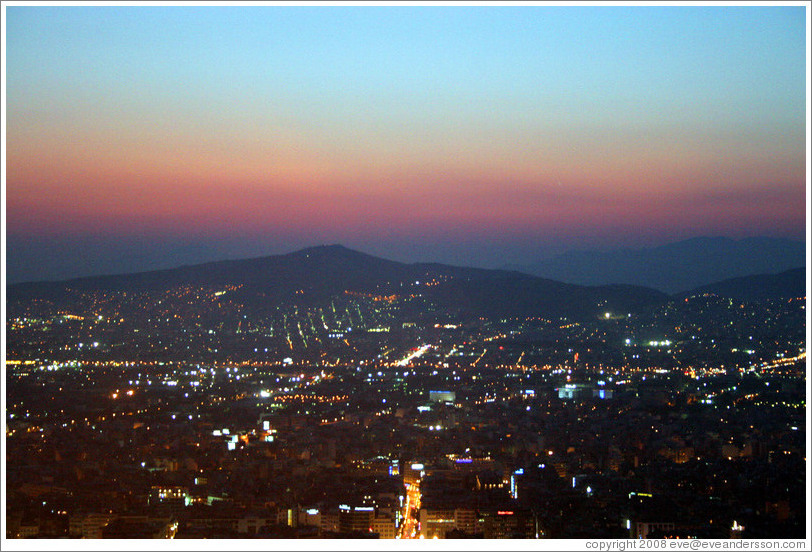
[417, 353]
[410, 524]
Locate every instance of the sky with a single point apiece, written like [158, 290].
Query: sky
[140, 138]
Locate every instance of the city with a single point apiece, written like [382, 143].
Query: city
[369, 275]
[367, 417]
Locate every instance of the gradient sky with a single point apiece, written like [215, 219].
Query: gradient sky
[147, 137]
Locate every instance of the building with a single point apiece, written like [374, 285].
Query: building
[509, 524]
[574, 391]
[89, 526]
[436, 522]
[384, 526]
[355, 519]
[442, 396]
[171, 500]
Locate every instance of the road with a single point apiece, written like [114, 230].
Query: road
[409, 528]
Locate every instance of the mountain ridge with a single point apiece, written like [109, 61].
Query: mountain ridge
[317, 273]
[675, 267]
[314, 274]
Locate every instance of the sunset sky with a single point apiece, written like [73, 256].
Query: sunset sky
[148, 137]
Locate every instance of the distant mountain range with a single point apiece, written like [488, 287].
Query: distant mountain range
[314, 275]
[675, 267]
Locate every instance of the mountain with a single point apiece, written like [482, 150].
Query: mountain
[784, 285]
[314, 275]
[674, 267]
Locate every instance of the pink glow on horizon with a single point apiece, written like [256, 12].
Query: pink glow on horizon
[77, 178]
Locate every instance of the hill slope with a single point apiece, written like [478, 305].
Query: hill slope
[787, 284]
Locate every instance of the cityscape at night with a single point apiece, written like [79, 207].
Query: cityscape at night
[340, 274]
